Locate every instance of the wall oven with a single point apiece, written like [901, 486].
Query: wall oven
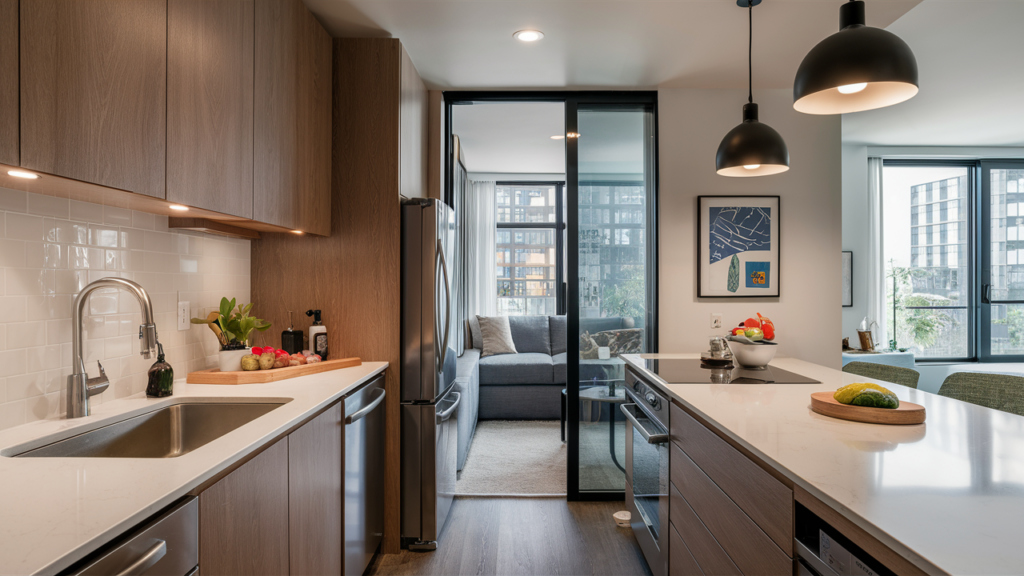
[647, 472]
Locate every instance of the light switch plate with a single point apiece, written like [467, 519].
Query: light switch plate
[184, 316]
[716, 320]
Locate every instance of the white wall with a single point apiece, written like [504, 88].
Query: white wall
[807, 314]
[50, 248]
[855, 234]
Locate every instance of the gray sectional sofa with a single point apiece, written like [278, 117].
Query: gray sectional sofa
[527, 385]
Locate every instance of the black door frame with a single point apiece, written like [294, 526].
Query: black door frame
[572, 101]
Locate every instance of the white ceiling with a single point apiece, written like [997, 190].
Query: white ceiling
[972, 88]
[511, 137]
[598, 43]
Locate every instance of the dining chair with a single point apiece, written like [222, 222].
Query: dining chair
[894, 374]
[997, 391]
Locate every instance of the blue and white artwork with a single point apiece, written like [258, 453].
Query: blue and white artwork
[735, 230]
[739, 246]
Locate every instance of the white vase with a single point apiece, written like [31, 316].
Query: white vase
[231, 360]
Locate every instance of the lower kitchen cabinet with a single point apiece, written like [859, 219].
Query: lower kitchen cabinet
[243, 518]
[315, 453]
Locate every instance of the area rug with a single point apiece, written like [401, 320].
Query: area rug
[527, 457]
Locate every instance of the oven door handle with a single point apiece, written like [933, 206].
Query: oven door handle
[630, 411]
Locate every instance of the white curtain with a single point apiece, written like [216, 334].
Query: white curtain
[476, 275]
[875, 257]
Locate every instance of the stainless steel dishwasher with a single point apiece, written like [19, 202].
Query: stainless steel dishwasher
[167, 545]
[364, 475]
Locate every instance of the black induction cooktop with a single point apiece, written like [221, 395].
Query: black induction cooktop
[682, 371]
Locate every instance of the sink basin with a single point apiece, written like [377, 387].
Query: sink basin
[165, 433]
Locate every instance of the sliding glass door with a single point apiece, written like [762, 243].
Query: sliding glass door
[1002, 297]
[611, 185]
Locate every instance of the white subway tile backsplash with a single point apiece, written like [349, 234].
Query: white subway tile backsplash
[43, 205]
[51, 248]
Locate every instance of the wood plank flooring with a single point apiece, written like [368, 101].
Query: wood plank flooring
[524, 536]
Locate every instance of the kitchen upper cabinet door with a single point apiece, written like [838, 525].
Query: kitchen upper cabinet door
[243, 518]
[292, 170]
[209, 104]
[9, 82]
[315, 467]
[94, 91]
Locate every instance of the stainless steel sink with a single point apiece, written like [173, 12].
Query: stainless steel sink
[165, 433]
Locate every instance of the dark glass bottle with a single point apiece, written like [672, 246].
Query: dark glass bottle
[161, 377]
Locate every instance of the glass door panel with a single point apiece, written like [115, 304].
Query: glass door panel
[615, 191]
[1003, 282]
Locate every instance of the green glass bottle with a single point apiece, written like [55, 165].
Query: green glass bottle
[161, 377]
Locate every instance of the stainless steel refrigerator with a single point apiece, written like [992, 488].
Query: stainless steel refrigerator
[429, 405]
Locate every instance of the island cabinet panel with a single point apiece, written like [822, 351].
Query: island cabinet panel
[315, 466]
[768, 502]
[292, 138]
[210, 105]
[9, 113]
[243, 518]
[750, 549]
[93, 91]
[680, 561]
[699, 543]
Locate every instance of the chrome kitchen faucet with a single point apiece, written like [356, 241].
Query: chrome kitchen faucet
[80, 386]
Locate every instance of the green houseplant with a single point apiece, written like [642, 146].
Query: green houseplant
[233, 326]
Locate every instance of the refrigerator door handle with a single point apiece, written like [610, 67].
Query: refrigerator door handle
[448, 413]
[437, 326]
[448, 304]
[362, 412]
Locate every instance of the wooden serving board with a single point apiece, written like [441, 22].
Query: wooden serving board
[215, 376]
[907, 413]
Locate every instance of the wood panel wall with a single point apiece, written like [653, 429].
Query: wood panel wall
[9, 112]
[353, 275]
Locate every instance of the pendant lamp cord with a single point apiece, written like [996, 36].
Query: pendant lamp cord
[750, 54]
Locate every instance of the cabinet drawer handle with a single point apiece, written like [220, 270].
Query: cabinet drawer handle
[147, 560]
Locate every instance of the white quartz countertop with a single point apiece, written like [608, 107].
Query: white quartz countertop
[948, 494]
[55, 511]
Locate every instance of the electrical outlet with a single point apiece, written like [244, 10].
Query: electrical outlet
[716, 320]
[184, 316]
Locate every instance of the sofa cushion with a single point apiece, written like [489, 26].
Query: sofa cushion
[497, 336]
[558, 367]
[531, 334]
[558, 324]
[522, 368]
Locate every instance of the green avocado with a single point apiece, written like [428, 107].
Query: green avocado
[875, 399]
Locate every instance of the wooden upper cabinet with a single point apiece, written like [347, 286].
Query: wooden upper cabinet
[210, 104]
[292, 131]
[9, 82]
[93, 91]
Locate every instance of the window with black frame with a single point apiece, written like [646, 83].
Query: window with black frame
[529, 248]
[953, 241]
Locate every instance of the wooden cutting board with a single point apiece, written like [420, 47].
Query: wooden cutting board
[907, 413]
[215, 376]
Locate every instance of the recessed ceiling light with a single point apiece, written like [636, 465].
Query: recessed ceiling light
[528, 35]
[297, 232]
[23, 174]
[178, 207]
[557, 137]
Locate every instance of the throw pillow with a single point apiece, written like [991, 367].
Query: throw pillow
[496, 335]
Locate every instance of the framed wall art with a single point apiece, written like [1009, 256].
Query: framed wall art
[738, 246]
[847, 279]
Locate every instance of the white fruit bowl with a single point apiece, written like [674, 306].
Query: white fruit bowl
[753, 355]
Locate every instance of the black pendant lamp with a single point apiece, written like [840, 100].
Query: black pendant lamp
[752, 148]
[858, 68]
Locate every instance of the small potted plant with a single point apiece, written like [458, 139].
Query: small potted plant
[232, 325]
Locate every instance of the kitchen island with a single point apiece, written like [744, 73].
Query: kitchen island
[946, 496]
[55, 511]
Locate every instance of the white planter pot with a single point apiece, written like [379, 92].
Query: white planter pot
[231, 360]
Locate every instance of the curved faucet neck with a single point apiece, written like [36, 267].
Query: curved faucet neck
[78, 311]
